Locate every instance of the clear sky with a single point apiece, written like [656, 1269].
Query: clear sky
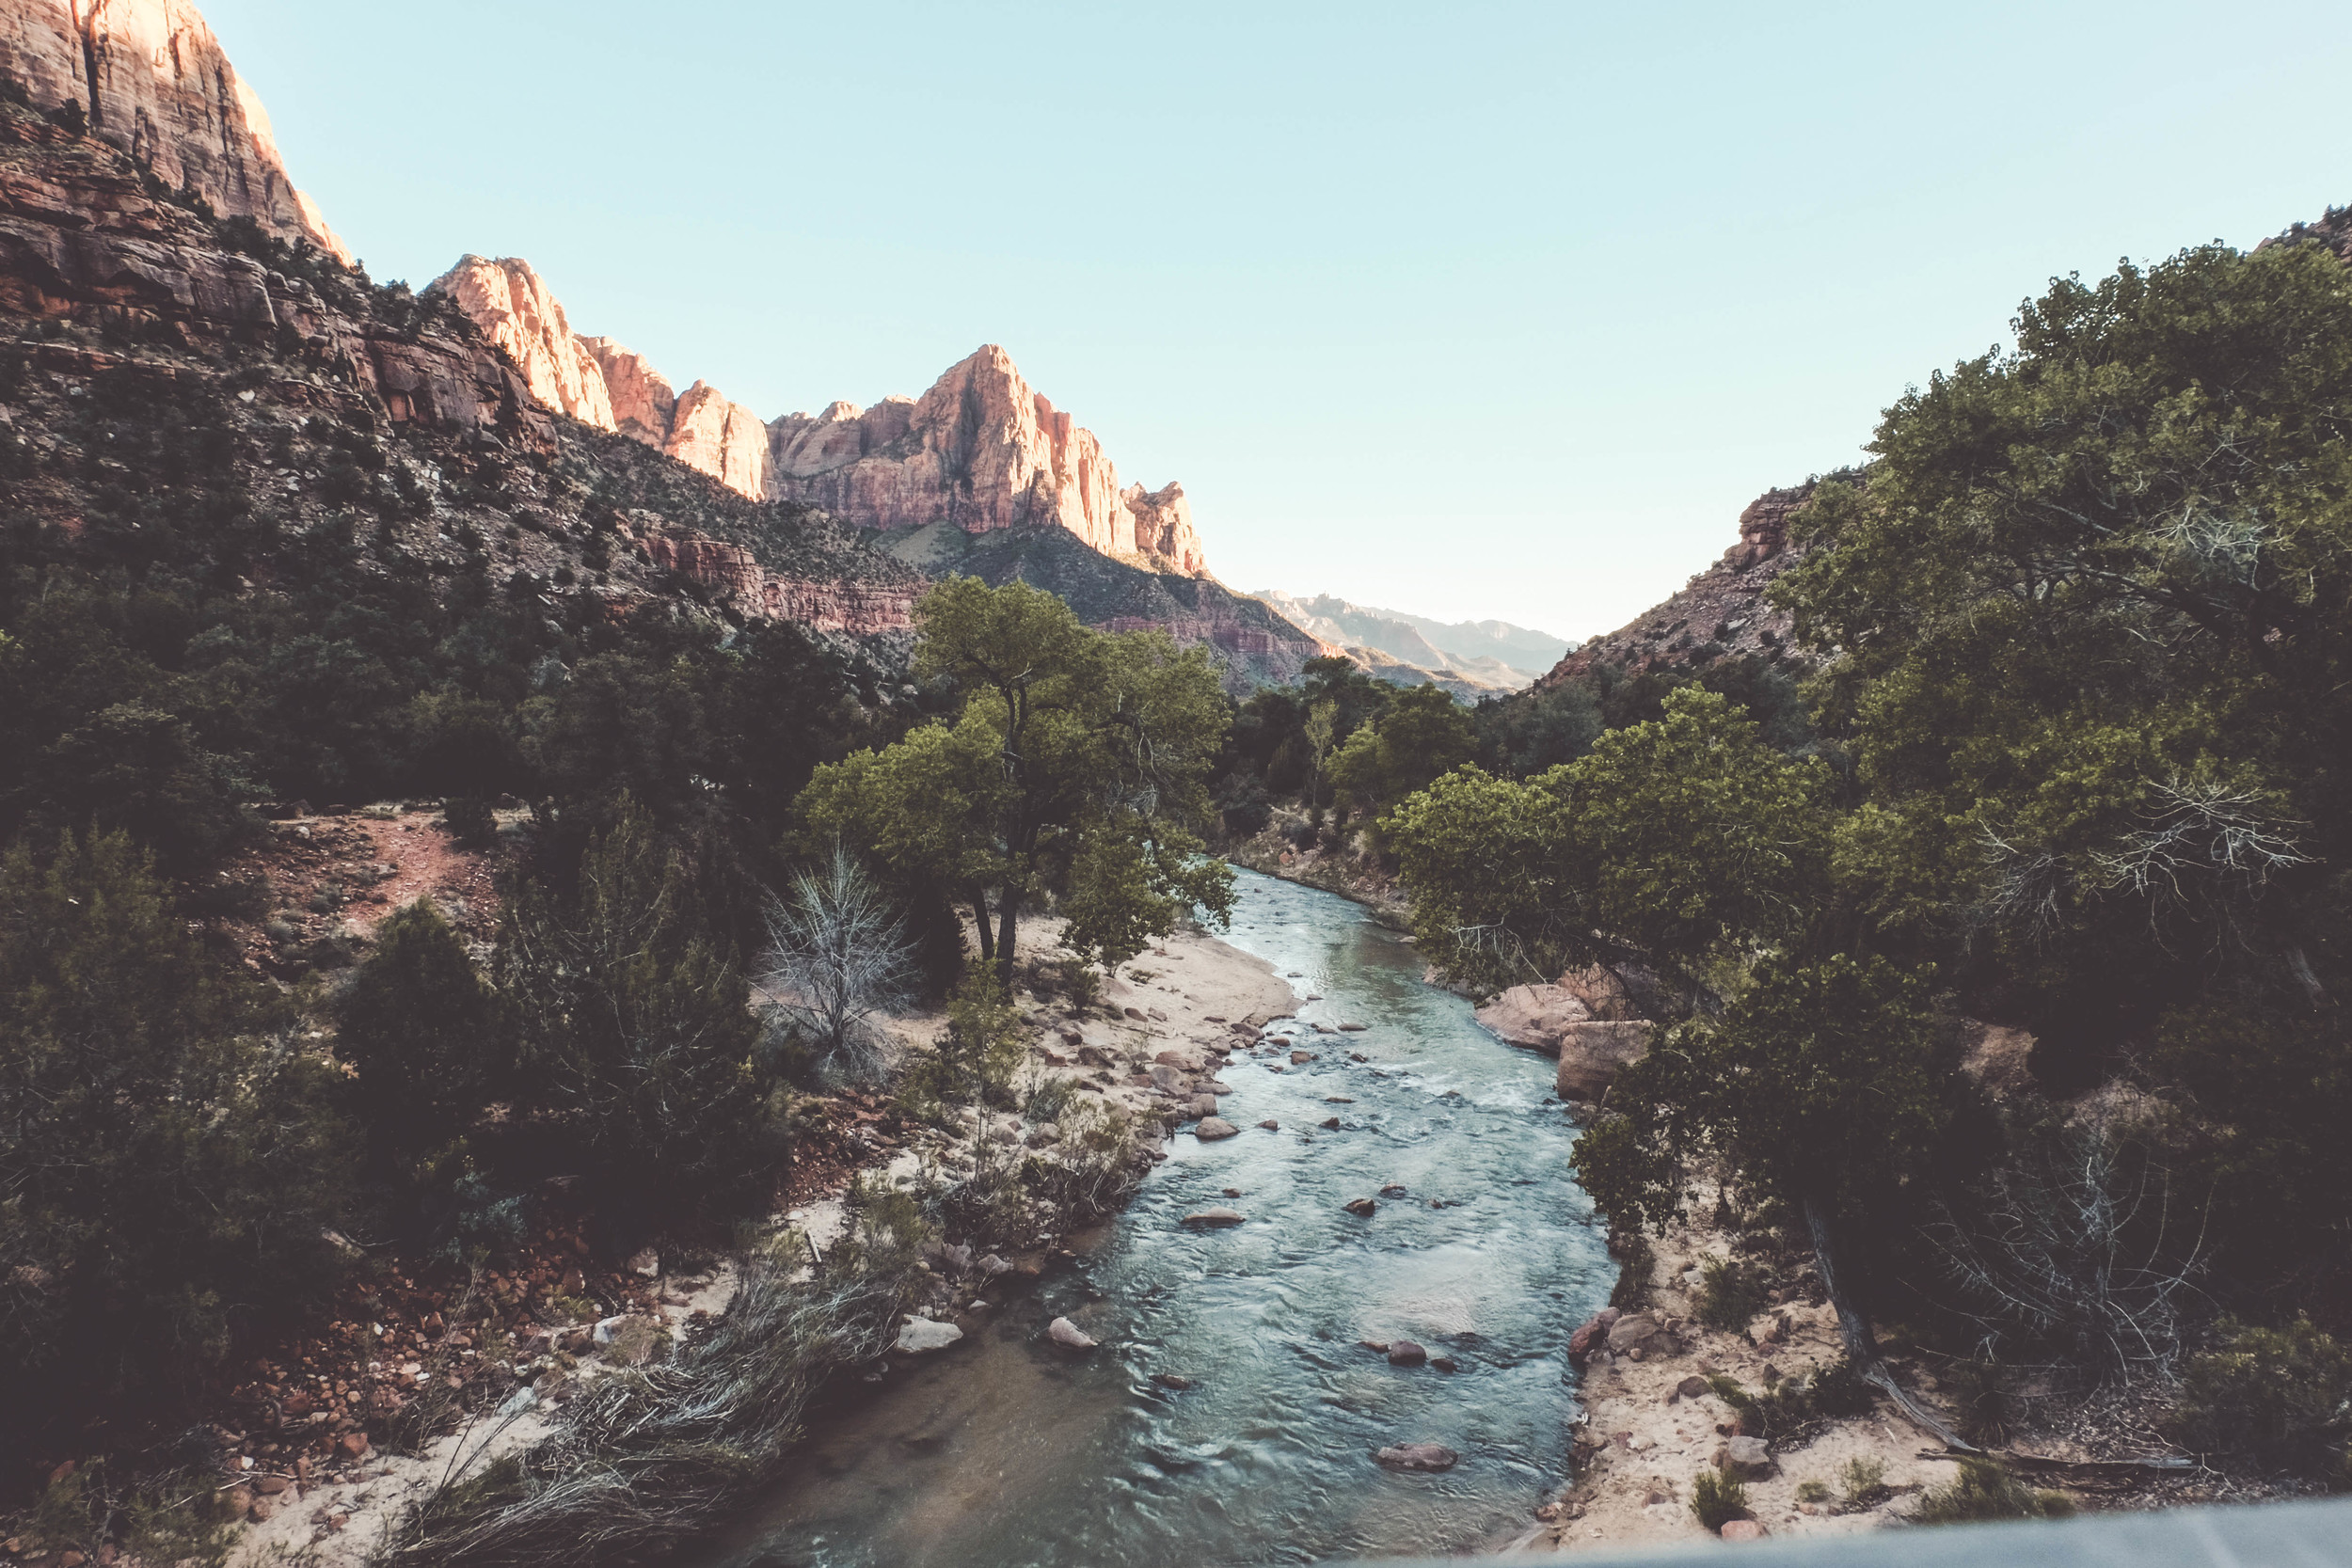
[1464, 310]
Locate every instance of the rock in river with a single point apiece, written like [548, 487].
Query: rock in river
[1219, 1215]
[1418, 1456]
[1214, 1127]
[921, 1334]
[1405, 1352]
[1069, 1335]
[1359, 1207]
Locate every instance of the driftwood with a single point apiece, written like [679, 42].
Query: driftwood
[2096, 1475]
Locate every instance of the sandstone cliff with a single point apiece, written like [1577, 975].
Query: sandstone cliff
[1722, 608]
[643, 404]
[515, 310]
[156, 84]
[984, 451]
[722, 437]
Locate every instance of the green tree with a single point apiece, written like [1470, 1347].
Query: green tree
[637, 1035]
[430, 1045]
[1075, 768]
[169, 1165]
[1422, 735]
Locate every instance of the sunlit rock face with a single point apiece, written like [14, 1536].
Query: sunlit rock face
[514, 309]
[644, 404]
[167, 94]
[984, 451]
[722, 438]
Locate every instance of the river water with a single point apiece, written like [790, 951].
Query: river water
[1003, 1452]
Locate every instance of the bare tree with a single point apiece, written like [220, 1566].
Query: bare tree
[837, 955]
[2076, 1245]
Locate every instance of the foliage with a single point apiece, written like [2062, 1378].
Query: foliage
[1075, 768]
[2280, 1398]
[1716, 1499]
[1792, 1409]
[1730, 1295]
[1825, 1084]
[427, 1040]
[638, 1037]
[170, 1156]
[1985, 1490]
[1862, 1482]
[1422, 735]
[167, 1517]
[837, 953]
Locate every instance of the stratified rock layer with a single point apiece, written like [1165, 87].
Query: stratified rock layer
[167, 94]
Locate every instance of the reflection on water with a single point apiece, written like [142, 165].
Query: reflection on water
[1002, 1453]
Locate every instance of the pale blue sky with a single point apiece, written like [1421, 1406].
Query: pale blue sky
[1465, 310]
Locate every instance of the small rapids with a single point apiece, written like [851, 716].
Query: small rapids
[1002, 1452]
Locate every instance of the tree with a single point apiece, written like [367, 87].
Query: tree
[428, 1040]
[637, 1035]
[1424, 735]
[1074, 767]
[837, 953]
[171, 1164]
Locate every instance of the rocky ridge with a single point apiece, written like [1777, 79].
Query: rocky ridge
[1467, 658]
[981, 449]
[156, 83]
[1722, 609]
[339, 390]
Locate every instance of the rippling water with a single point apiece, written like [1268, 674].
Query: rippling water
[1002, 1452]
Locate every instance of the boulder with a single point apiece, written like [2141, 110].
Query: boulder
[1533, 1017]
[1417, 1456]
[921, 1336]
[1170, 1080]
[1069, 1335]
[1406, 1353]
[1213, 1128]
[1204, 1105]
[1169, 1380]
[1299, 1058]
[1742, 1529]
[1590, 1054]
[1591, 1334]
[1627, 1333]
[1271, 1125]
[1329, 1124]
[1748, 1457]
[1360, 1207]
[1219, 1215]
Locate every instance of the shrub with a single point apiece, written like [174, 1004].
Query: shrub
[1716, 1499]
[424, 1036]
[838, 954]
[169, 1153]
[1863, 1482]
[2277, 1396]
[469, 821]
[1985, 1490]
[1730, 1295]
[1812, 1492]
[1795, 1407]
[638, 1038]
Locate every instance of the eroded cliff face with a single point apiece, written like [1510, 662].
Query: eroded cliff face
[859, 606]
[722, 438]
[981, 450]
[984, 451]
[514, 309]
[166, 93]
[1723, 608]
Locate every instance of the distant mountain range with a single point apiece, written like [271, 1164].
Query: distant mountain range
[1467, 657]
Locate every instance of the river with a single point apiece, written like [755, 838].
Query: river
[1003, 1452]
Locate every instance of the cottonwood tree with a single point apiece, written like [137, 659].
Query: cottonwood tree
[837, 953]
[1075, 769]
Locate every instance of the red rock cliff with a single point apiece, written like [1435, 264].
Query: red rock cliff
[157, 85]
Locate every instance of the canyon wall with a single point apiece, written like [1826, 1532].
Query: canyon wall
[165, 93]
[981, 449]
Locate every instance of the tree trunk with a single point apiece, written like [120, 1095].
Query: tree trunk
[1862, 1346]
[1005, 920]
[979, 918]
